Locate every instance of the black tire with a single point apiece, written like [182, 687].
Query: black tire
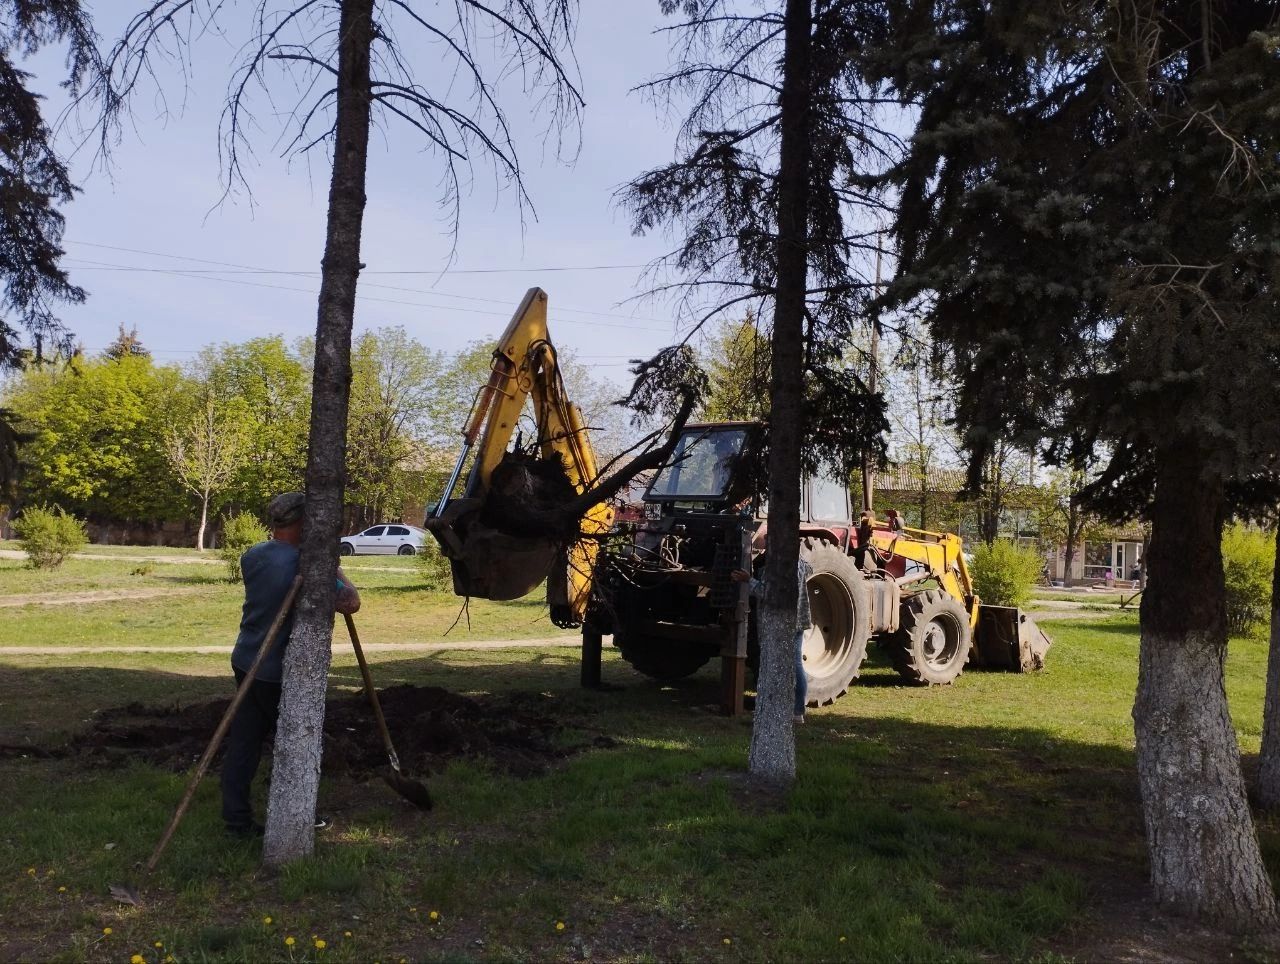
[665, 660]
[933, 639]
[406, 550]
[346, 549]
[836, 645]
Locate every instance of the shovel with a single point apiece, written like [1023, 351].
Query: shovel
[398, 779]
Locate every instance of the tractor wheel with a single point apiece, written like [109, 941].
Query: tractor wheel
[833, 649]
[663, 659]
[932, 643]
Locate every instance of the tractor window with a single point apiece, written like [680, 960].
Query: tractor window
[830, 500]
[702, 467]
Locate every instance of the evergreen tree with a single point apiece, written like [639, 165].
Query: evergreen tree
[763, 194]
[1087, 213]
[34, 185]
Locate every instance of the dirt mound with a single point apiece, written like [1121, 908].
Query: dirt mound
[430, 727]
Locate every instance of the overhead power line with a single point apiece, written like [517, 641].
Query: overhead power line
[235, 268]
[186, 273]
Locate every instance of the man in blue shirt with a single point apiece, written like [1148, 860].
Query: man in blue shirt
[269, 569]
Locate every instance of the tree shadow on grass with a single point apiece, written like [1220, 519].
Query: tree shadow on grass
[911, 838]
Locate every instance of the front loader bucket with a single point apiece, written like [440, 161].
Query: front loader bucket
[1008, 639]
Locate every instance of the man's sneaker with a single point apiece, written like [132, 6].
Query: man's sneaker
[247, 831]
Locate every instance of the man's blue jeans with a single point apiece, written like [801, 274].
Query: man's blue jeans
[802, 683]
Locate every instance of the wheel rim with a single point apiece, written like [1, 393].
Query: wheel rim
[827, 643]
[941, 641]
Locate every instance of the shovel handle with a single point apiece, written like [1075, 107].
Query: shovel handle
[373, 693]
[225, 722]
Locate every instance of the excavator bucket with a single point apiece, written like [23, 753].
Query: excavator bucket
[488, 563]
[1009, 639]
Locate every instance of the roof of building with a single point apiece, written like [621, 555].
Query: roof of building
[906, 478]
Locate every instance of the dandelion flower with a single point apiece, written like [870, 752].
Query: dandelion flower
[321, 944]
[841, 938]
[137, 959]
[727, 941]
[559, 925]
[289, 941]
[31, 871]
[434, 915]
[160, 944]
[62, 890]
[106, 931]
[346, 933]
[267, 920]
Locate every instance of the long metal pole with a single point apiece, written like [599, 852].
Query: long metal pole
[868, 480]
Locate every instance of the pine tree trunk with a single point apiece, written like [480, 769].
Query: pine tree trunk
[204, 521]
[1268, 788]
[1203, 849]
[772, 759]
[296, 770]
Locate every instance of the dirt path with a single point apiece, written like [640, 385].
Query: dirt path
[187, 560]
[90, 596]
[338, 647]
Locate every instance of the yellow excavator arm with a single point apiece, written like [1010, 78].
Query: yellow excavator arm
[491, 557]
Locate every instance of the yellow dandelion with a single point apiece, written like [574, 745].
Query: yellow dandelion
[346, 933]
[289, 942]
[62, 890]
[413, 910]
[727, 941]
[267, 920]
[31, 871]
[160, 944]
[842, 938]
[106, 931]
[320, 944]
[137, 959]
[559, 925]
[434, 915]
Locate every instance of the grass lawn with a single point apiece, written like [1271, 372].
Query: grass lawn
[995, 819]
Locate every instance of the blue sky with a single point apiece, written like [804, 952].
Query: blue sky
[162, 197]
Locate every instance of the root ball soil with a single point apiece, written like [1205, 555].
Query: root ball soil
[430, 726]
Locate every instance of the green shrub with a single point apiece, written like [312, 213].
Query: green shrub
[434, 567]
[238, 534]
[48, 536]
[1248, 556]
[1004, 572]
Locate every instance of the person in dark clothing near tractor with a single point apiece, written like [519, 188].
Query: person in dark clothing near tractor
[269, 569]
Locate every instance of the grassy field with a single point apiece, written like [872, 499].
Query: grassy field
[995, 819]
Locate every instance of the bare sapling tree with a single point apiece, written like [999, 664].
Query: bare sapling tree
[206, 450]
[346, 64]
[764, 199]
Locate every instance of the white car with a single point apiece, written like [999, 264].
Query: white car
[386, 540]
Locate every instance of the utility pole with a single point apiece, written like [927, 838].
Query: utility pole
[868, 481]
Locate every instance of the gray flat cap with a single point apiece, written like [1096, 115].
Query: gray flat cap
[285, 509]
